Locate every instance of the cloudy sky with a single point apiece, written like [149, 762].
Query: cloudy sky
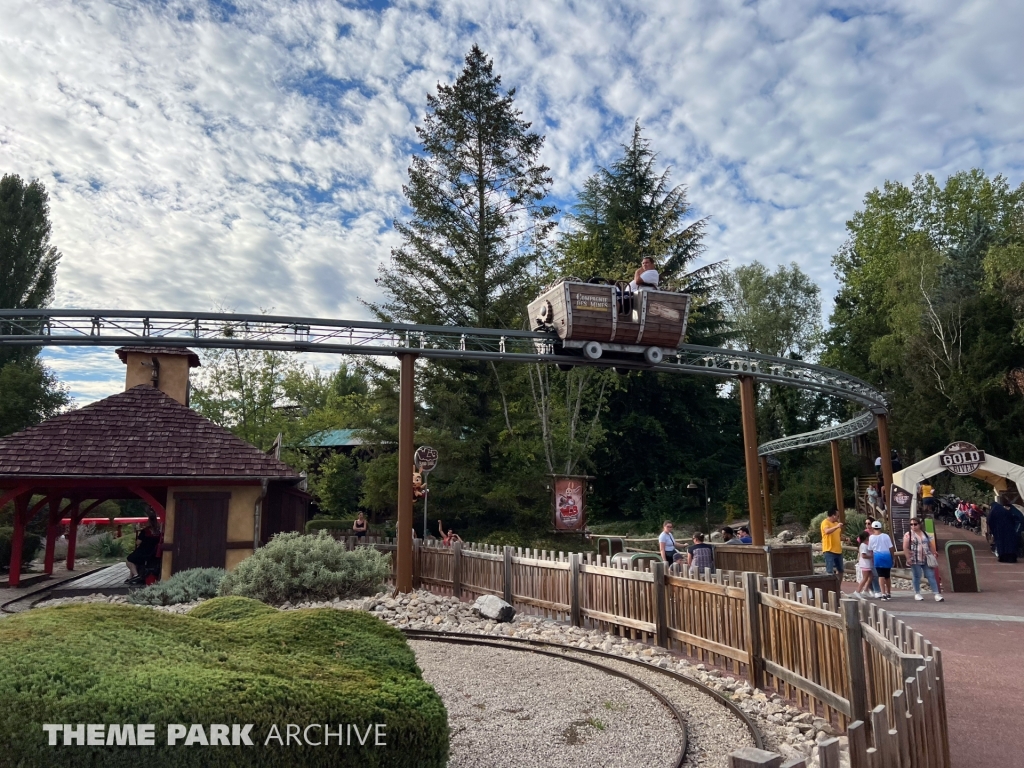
[251, 155]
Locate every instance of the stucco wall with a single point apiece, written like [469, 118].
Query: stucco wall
[173, 373]
[241, 520]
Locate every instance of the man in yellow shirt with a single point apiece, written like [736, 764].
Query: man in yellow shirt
[831, 545]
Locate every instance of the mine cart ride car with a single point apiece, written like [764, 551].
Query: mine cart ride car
[598, 317]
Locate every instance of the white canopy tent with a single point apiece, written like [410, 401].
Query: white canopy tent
[999, 473]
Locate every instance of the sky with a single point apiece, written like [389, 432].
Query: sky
[251, 155]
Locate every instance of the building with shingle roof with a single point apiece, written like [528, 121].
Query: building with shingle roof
[217, 496]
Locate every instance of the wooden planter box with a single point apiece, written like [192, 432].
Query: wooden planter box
[779, 561]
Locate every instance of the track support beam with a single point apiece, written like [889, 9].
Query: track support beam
[837, 479]
[748, 408]
[406, 429]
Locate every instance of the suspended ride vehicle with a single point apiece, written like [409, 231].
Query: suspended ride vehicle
[604, 318]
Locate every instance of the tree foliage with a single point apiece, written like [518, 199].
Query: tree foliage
[929, 309]
[29, 391]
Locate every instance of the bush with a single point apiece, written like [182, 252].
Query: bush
[230, 609]
[105, 546]
[329, 524]
[182, 587]
[294, 568]
[29, 547]
[122, 664]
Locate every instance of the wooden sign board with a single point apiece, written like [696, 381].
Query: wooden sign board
[963, 569]
[900, 500]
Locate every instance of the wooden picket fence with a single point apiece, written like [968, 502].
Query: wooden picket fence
[842, 659]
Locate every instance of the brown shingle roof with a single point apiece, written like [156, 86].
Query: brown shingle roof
[138, 433]
[193, 358]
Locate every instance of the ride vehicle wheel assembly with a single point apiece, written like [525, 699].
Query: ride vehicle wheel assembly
[592, 350]
[654, 355]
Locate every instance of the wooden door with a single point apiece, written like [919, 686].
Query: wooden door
[200, 530]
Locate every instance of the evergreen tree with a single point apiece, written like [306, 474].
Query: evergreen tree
[478, 228]
[628, 212]
[479, 222]
[29, 392]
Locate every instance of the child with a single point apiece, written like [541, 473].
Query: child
[865, 565]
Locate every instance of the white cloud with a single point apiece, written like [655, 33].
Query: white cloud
[197, 158]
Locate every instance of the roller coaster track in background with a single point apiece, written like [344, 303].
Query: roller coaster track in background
[115, 328]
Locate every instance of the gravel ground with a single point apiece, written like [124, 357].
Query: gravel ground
[516, 709]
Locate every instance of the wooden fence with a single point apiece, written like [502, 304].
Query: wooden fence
[843, 659]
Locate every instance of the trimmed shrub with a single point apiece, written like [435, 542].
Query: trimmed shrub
[183, 587]
[30, 545]
[230, 609]
[294, 568]
[105, 546]
[104, 663]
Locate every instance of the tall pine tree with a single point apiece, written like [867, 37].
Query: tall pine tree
[478, 227]
[29, 391]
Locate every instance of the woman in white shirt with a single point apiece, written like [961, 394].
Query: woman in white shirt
[667, 543]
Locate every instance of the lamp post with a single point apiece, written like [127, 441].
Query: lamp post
[707, 502]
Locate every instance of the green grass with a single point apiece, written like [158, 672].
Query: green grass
[242, 663]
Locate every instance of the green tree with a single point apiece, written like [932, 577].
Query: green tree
[658, 431]
[478, 220]
[927, 309]
[479, 224]
[629, 212]
[29, 392]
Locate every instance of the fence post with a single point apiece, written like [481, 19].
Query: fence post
[660, 604]
[416, 570]
[508, 575]
[855, 660]
[574, 590]
[768, 560]
[457, 569]
[752, 757]
[752, 626]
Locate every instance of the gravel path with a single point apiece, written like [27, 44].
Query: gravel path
[517, 710]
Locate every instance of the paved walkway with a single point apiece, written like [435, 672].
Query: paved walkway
[982, 641]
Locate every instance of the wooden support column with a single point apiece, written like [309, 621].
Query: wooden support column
[74, 516]
[885, 451]
[52, 526]
[766, 486]
[406, 425]
[748, 408]
[18, 540]
[837, 479]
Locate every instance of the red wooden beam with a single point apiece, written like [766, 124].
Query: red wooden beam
[51, 532]
[17, 541]
[76, 515]
[147, 497]
[11, 495]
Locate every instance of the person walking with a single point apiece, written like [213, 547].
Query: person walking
[699, 556]
[1004, 530]
[831, 542]
[884, 552]
[865, 566]
[872, 496]
[667, 543]
[922, 557]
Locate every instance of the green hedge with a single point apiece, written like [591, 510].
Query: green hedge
[231, 609]
[103, 663]
[30, 545]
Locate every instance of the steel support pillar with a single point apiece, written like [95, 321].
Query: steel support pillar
[885, 451]
[837, 479]
[748, 408]
[406, 426]
[766, 486]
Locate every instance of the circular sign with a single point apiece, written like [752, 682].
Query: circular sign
[961, 458]
[425, 458]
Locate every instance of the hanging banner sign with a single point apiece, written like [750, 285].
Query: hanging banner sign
[570, 498]
[899, 513]
[962, 458]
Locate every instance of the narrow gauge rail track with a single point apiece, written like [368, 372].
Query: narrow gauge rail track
[557, 650]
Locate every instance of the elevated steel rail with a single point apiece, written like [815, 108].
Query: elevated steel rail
[114, 328]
